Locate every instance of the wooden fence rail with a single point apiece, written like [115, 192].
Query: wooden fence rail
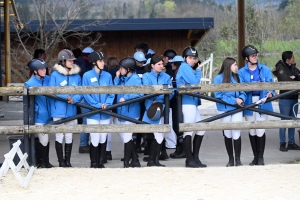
[107, 128]
[216, 125]
[158, 89]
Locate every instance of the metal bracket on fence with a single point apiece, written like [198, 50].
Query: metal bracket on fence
[188, 86]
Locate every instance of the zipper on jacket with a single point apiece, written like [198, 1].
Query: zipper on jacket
[99, 94]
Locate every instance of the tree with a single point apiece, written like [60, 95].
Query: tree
[290, 22]
[46, 11]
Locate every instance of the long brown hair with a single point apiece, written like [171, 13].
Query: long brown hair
[226, 71]
[112, 62]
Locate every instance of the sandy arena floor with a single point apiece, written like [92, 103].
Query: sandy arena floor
[268, 182]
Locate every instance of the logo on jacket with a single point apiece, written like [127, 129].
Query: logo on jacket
[281, 72]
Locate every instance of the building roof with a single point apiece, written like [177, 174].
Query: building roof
[127, 24]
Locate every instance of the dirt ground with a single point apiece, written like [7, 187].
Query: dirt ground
[267, 182]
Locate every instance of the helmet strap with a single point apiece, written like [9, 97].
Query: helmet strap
[36, 74]
[100, 70]
[250, 61]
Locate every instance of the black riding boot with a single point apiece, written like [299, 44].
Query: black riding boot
[68, 152]
[48, 164]
[261, 142]
[148, 140]
[253, 142]
[102, 148]
[156, 160]
[196, 148]
[105, 143]
[237, 151]
[93, 156]
[163, 153]
[60, 156]
[229, 148]
[42, 150]
[189, 162]
[135, 157]
[153, 151]
[127, 153]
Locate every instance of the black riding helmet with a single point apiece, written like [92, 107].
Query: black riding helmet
[190, 51]
[249, 50]
[96, 55]
[36, 64]
[127, 62]
[170, 53]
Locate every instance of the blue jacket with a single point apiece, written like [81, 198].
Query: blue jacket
[152, 78]
[61, 77]
[185, 75]
[131, 110]
[42, 103]
[228, 97]
[265, 76]
[92, 78]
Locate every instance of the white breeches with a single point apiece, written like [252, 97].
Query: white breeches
[68, 136]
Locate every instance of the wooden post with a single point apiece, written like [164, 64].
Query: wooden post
[241, 31]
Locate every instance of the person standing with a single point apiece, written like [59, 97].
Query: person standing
[179, 152]
[112, 68]
[286, 70]
[126, 76]
[168, 55]
[42, 109]
[228, 74]
[98, 77]
[156, 104]
[83, 62]
[187, 75]
[65, 73]
[254, 72]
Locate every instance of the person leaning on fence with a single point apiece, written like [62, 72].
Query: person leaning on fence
[41, 109]
[254, 72]
[228, 74]
[126, 76]
[286, 70]
[98, 77]
[65, 73]
[155, 107]
[187, 75]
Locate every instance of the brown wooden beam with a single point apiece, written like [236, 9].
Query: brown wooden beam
[241, 31]
[7, 42]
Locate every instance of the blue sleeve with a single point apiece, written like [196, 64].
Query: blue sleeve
[190, 76]
[88, 97]
[223, 95]
[133, 96]
[117, 81]
[110, 97]
[269, 78]
[77, 97]
[242, 80]
[52, 82]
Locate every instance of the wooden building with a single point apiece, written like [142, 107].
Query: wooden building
[119, 37]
